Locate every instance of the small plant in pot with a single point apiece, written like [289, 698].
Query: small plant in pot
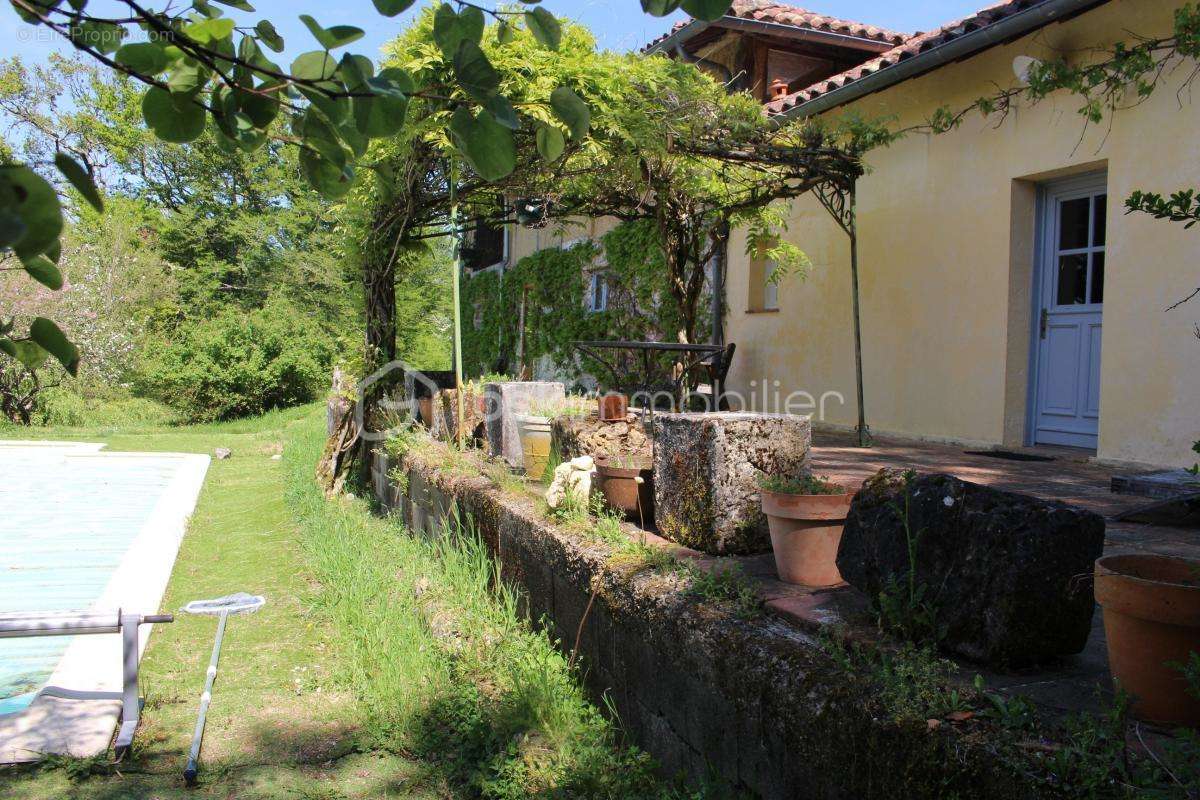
[806, 515]
[627, 483]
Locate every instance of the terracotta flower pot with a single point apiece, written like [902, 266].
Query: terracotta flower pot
[806, 530]
[425, 405]
[629, 489]
[534, 433]
[1151, 619]
[613, 407]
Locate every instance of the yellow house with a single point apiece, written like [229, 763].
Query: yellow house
[1006, 298]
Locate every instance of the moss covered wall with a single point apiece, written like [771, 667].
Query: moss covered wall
[553, 284]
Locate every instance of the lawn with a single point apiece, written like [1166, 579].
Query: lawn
[384, 665]
[280, 726]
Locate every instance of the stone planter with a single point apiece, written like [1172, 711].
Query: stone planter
[613, 407]
[806, 530]
[1152, 621]
[504, 402]
[535, 444]
[706, 472]
[628, 487]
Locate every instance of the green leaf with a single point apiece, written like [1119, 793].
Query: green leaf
[335, 109]
[240, 5]
[11, 228]
[383, 114]
[330, 179]
[145, 58]
[80, 178]
[450, 28]
[487, 145]
[44, 271]
[316, 65]
[269, 36]
[188, 76]
[503, 112]
[262, 108]
[570, 108]
[332, 38]
[659, 8]
[209, 31]
[172, 122]
[390, 8]
[474, 72]
[33, 200]
[550, 143]
[51, 338]
[505, 33]
[707, 10]
[104, 37]
[28, 353]
[319, 135]
[544, 27]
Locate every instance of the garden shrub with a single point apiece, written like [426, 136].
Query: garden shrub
[62, 406]
[239, 364]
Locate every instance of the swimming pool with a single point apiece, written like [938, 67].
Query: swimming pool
[76, 525]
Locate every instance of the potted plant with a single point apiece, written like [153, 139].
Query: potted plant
[1151, 609]
[806, 516]
[614, 407]
[627, 483]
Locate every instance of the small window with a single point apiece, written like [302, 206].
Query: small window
[598, 293]
[764, 293]
[770, 288]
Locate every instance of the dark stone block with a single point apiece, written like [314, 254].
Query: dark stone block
[1007, 573]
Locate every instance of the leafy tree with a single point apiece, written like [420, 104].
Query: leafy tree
[201, 67]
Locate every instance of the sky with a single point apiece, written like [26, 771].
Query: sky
[618, 24]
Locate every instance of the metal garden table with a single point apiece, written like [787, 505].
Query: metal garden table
[689, 357]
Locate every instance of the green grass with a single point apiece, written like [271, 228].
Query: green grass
[384, 665]
[282, 724]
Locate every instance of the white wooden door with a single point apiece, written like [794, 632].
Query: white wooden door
[1071, 288]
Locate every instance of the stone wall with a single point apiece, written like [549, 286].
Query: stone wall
[758, 704]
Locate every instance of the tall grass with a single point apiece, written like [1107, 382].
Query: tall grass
[445, 667]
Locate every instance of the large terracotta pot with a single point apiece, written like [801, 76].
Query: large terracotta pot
[534, 433]
[627, 488]
[1151, 619]
[613, 407]
[806, 530]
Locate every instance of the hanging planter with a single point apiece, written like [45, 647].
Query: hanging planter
[628, 486]
[614, 407]
[534, 433]
[1151, 609]
[806, 517]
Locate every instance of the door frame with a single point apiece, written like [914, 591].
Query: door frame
[1044, 230]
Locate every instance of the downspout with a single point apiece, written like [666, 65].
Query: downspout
[864, 432]
[720, 264]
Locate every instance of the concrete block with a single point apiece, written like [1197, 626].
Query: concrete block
[706, 472]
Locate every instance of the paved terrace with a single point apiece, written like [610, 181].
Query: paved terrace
[1074, 683]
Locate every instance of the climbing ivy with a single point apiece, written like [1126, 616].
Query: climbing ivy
[554, 284]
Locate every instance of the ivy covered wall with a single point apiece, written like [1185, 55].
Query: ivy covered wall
[553, 286]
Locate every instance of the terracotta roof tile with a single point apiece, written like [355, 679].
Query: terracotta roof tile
[915, 45]
[780, 14]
